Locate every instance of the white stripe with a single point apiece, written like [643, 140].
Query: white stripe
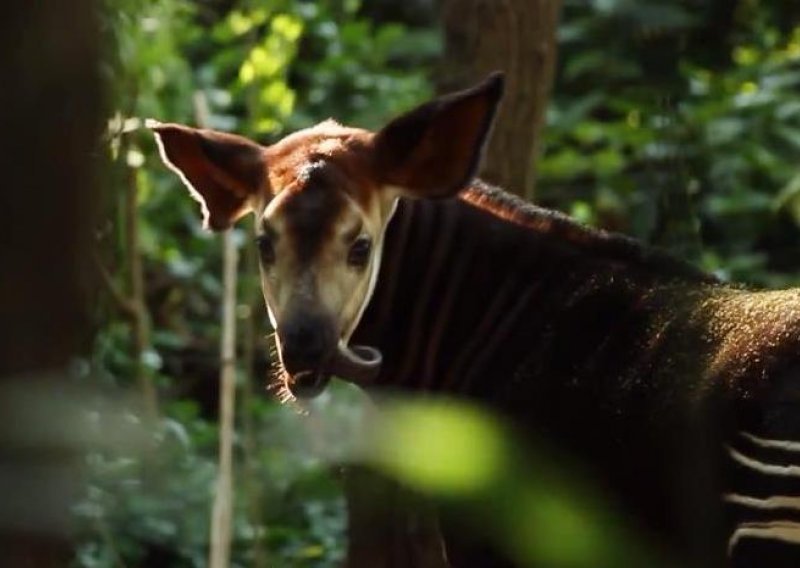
[789, 446]
[769, 469]
[783, 531]
[775, 502]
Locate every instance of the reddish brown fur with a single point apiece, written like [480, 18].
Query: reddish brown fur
[346, 149]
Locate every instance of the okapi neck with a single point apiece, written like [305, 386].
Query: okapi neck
[480, 293]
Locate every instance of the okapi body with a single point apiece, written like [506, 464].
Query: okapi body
[642, 366]
[385, 264]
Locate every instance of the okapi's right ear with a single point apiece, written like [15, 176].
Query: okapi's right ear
[222, 171]
[435, 150]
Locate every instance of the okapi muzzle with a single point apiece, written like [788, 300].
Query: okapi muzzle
[323, 198]
[306, 343]
[310, 352]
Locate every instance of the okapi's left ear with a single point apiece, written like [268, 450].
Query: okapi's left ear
[435, 150]
[222, 171]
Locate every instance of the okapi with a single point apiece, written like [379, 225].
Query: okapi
[385, 263]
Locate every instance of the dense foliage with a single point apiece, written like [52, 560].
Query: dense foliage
[675, 121]
[657, 101]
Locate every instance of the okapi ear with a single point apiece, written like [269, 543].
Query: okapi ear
[222, 171]
[435, 150]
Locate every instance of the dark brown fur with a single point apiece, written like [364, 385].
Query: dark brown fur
[638, 363]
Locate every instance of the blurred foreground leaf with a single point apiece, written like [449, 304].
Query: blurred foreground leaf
[526, 498]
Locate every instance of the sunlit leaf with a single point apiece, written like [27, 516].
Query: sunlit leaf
[440, 447]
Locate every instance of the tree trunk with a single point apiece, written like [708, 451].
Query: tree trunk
[388, 525]
[49, 108]
[519, 38]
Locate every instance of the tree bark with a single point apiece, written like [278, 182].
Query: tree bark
[50, 108]
[519, 38]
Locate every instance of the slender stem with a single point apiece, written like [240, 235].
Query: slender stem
[222, 512]
[222, 515]
[138, 316]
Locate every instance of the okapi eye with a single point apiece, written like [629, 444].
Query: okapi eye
[266, 249]
[358, 256]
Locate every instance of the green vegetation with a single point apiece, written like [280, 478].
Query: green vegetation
[657, 100]
[676, 124]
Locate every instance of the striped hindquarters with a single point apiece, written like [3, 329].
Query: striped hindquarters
[763, 505]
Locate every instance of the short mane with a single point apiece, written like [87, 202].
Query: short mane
[610, 245]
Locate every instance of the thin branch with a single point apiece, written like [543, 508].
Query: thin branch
[140, 328]
[123, 304]
[222, 512]
[132, 305]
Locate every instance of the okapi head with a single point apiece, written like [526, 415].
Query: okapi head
[323, 198]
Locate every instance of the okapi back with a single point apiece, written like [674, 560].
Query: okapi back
[635, 362]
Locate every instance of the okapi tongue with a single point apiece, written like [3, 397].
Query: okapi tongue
[357, 363]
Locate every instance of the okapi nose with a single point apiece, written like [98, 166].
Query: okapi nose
[304, 344]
